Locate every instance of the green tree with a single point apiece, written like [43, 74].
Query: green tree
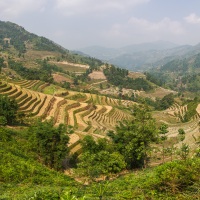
[163, 131]
[1, 63]
[8, 109]
[99, 158]
[184, 149]
[101, 163]
[133, 138]
[49, 142]
[181, 134]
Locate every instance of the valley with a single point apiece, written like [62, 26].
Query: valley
[76, 127]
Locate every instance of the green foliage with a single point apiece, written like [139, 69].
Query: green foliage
[1, 63]
[176, 176]
[98, 158]
[21, 176]
[181, 134]
[92, 146]
[49, 143]
[119, 77]
[17, 34]
[163, 131]
[174, 180]
[191, 110]
[5, 134]
[44, 44]
[3, 121]
[180, 74]
[8, 110]
[155, 78]
[101, 163]
[133, 138]
[176, 65]
[43, 74]
[165, 102]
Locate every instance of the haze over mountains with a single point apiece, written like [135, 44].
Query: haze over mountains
[140, 57]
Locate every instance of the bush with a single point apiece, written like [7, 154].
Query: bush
[176, 176]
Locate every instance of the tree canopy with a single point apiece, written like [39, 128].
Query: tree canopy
[49, 142]
[133, 138]
[8, 110]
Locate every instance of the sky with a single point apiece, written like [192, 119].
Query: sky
[75, 24]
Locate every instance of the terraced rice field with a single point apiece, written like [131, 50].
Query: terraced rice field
[177, 111]
[91, 114]
[191, 128]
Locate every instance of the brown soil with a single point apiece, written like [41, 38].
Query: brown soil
[135, 75]
[97, 75]
[74, 64]
[59, 78]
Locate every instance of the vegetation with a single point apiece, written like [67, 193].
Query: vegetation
[117, 148]
[49, 143]
[180, 74]
[8, 110]
[191, 110]
[118, 77]
[21, 176]
[133, 138]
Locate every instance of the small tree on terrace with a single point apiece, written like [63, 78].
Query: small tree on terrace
[133, 138]
[163, 131]
[8, 109]
[49, 142]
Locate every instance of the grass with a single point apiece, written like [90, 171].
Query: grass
[71, 68]
[52, 89]
[160, 116]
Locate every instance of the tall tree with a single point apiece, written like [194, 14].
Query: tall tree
[49, 142]
[163, 131]
[133, 138]
[8, 109]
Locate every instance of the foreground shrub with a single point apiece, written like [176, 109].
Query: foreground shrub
[176, 176]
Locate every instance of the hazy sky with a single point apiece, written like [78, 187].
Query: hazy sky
[111, 23]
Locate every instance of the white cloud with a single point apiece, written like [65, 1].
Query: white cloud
[193, 19]
[91, 6]
[141, 30]
[165, 25]
[14, 8]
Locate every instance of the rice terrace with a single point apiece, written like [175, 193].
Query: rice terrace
[77, 127]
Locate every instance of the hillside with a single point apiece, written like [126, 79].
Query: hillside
[142, 57]
[22, 39]
[74, 127]
[28, 48]
[179, 74]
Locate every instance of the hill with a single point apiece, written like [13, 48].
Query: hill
[179, 74]
[142, 56]
[22, 39]
[64, 114]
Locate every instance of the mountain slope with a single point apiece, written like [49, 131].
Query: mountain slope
[143, 56]
[179, 74]
[20, 38]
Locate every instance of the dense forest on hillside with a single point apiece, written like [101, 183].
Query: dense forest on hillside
[19, 37]
[181, 75]
[119, 77]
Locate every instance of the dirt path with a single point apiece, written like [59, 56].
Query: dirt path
[99, 82]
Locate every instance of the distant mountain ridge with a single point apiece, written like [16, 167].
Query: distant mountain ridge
[141, 57]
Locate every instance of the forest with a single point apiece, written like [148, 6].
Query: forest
[119, 77]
